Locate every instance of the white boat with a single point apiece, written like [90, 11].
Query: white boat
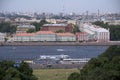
[74, 60]
[55, 57]
[60, 50]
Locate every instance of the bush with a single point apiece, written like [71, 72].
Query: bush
[8, 71]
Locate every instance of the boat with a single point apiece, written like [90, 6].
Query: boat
[60, 50]
[55, 57]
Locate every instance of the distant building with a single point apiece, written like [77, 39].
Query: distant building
[51, 21]
[2, 19]
[71, 22]
[45, 36]
[95, 32]
[53, 27]
[112, 22]
[69, 28]
[2, 37]
[82, 36]
[65, 37]
[24, 37]
[57, 27]
[24, 28]
[38, 36]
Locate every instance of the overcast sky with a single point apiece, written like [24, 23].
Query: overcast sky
[57, 6]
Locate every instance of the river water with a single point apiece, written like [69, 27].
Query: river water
[33, 52]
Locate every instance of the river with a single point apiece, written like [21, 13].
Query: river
[33, 52]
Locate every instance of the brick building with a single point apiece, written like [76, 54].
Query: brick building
[57, 27]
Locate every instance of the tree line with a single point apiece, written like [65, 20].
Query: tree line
[6, 27]
[105, 67]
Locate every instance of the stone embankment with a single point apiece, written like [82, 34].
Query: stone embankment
[61, 43]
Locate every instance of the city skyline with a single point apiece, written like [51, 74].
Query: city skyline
[64, 6]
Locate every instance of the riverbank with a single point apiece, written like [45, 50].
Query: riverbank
[61, 43]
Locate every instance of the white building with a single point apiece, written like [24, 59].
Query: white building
[24, 28]
[96, 32]
[45, 36]
[65, 37]
[2, 37]
[38, 36]
[103, 35]
[51, 21]
[82, 36]
[24, 37]
[71, 22]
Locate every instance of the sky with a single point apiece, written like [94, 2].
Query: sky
[57, 6]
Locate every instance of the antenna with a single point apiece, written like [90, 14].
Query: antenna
[98, 12]
[87, 14]
[63, 7]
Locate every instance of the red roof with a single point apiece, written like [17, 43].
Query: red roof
[65, 34]
[24, 34]
[45, 32]
[80, 33]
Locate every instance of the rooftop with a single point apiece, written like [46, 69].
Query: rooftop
[25, 26]
[95, 28]
[24, 34]
[55, 25]
[2, 33]
[45, 32]
[65, 34]
[79, 33]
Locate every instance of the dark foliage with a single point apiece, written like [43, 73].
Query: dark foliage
[74, 76]
[75, 29]
[39, 25]
[31, 30]
[8, 71]
[105, 67]
[6, 27]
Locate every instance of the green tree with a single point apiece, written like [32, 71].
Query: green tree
[7, 27]
[8, 71]
[39, 25]
[111, 52]
[76, 29]
[60, 31]
[25, 69]
[31, 30]
[74, 76]
[11, 74]
[105, 67]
